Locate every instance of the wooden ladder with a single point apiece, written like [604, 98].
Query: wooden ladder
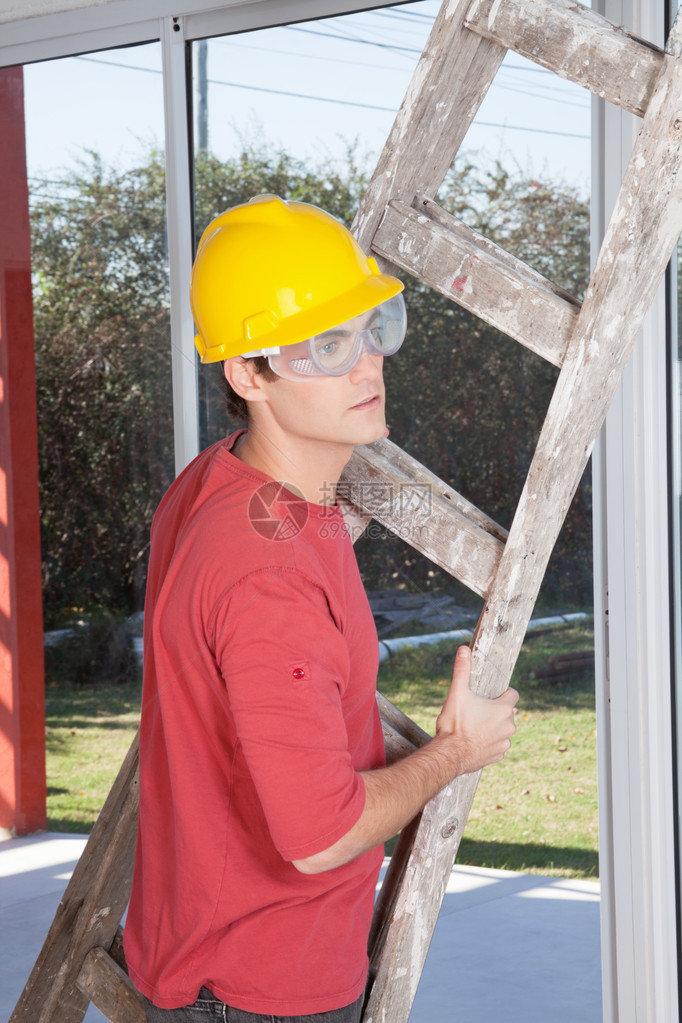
[399, 222]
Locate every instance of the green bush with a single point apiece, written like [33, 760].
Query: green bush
[462, 398]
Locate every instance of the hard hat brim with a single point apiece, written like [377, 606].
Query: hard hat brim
[299, 327]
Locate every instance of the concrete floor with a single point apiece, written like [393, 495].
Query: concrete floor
[507, 946]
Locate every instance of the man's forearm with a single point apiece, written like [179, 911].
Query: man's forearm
[393, 796]
[471, 732]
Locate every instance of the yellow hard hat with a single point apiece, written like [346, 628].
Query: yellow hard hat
[271, 273]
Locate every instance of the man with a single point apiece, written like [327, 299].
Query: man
[264, 799]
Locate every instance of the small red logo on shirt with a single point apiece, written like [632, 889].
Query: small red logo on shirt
[277, 511]
[300, 671]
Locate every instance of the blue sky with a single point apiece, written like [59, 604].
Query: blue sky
[311, 88]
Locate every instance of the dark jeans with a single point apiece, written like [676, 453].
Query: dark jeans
[209, 1009]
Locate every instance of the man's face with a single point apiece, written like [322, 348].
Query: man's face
[343, 410]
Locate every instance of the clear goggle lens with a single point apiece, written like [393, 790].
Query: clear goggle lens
[380, 331]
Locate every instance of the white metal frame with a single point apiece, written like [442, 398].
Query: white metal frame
[176, 89]
[131, 21]
[631, 515]
[632, 635]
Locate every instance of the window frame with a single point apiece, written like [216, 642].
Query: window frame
[633, 606]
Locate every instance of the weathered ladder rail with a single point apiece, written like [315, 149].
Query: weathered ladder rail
[88, 915]
[401, 223]
[81, 959]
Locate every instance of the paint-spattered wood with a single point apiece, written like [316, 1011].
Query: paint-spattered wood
[416, 906]
[90, 910]
[576, 43]
[449, 83]
[109, 988]
[639, 242]
[404, 469]
[384, 905]
[471, 270]
[421, 509]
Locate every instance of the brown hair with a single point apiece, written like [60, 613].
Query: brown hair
[237, 407]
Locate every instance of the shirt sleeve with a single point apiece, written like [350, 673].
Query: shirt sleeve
[285, 667]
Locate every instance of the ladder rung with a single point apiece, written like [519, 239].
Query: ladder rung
[400, 723]
[396, 746]
[574, 42]
[116, 950]
[409, 469]
[110, 989]
[412, 502]
[465, 266]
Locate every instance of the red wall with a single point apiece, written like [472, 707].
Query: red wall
[22, 693]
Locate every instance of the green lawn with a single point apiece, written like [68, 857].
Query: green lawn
[88, 735]
[536, 811]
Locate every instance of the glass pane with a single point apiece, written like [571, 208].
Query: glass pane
[303, 111]
[96, 176]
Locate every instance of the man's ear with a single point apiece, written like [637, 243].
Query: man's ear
[242, 377]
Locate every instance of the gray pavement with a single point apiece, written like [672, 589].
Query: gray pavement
[507, 946]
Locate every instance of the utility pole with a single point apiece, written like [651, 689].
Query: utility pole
[202, 96]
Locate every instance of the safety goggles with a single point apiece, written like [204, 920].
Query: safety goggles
[337, 351]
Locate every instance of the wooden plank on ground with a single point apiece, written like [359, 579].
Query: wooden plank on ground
[480, 276]
[90, 910]
[398, 492]
[576, 43]
[110, 988]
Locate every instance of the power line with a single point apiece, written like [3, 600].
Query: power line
[361, 42]
[524, 91]
[337, 102]
[236, 41]
[116, 63]
[303, 95]
[157, 71]
[390, 110]
[536, 131]
[513, 86]
[390, 36]
[403, 13]
[250, 88]
[404, 49]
